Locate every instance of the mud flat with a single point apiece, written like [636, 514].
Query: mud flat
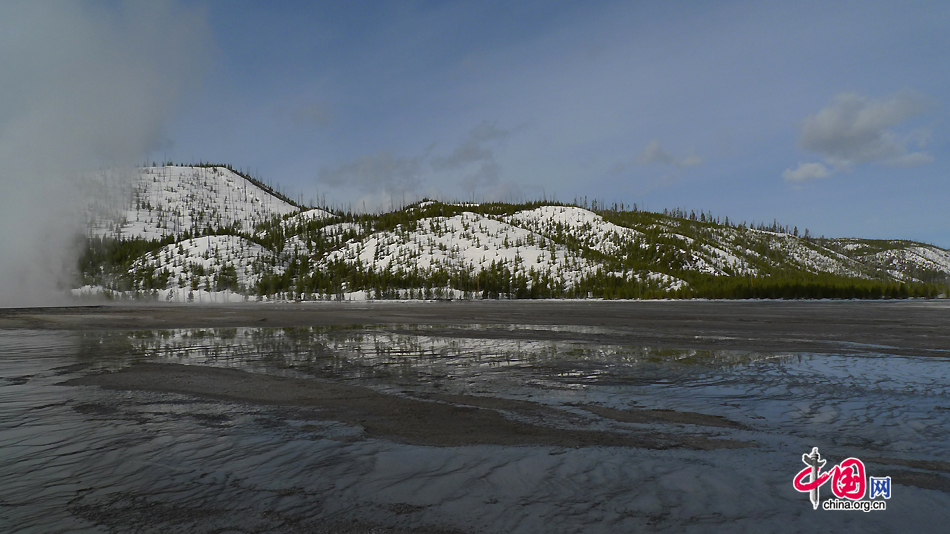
[464, 417]
[442, 420]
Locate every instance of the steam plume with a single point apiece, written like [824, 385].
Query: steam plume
[85, 86]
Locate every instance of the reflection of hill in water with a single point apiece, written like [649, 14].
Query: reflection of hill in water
[550, 354]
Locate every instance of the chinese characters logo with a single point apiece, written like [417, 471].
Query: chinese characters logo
[848, 483]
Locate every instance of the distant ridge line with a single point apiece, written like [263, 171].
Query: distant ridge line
[266, 188]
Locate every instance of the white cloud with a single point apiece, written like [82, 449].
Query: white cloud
[806, 171]
[654, 153]
[855, 129]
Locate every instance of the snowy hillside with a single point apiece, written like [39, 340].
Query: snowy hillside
[587, 227]
[171, 200]
[189, 233]
[902, 260]
[469, 242]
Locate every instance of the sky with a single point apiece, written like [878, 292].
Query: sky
[831, 116]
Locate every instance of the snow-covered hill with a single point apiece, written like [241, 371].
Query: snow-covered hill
[468, 241]
[171, 200]
[902, 260]
[224, 232]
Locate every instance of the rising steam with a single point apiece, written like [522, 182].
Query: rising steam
[83, 87]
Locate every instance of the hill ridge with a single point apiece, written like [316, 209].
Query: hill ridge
[197, 232]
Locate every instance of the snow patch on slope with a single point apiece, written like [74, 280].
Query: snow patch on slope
[473, 242]
[168, 201]
[589, 228]
[195, 264]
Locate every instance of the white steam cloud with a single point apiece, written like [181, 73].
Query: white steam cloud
[84, 86]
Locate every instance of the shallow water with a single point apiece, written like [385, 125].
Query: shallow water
[81, 458]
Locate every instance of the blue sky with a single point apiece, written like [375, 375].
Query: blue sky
[826, 115]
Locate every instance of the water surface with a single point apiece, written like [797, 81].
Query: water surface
[83, 458]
